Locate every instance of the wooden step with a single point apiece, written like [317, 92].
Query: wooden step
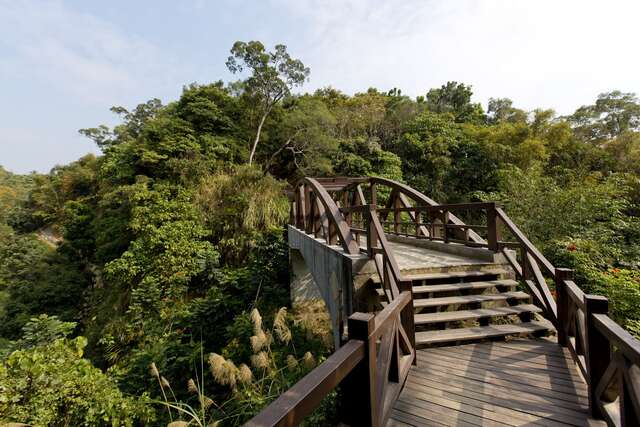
[469, 299]
[448, 275]
[452, 287]
[455, 316]
[477, 333]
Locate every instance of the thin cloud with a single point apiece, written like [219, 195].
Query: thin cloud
[80, 54]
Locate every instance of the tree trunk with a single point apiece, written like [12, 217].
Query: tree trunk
[255, 142]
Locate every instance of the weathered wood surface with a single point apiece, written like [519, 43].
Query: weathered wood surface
[513, 383]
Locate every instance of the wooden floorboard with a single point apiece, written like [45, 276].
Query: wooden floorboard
[515, 383]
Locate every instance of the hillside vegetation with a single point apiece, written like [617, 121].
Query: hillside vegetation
[149, 285]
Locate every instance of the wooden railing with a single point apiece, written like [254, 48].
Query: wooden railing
[607, 355]
[336, 209]
[315, 211]
[371, 368]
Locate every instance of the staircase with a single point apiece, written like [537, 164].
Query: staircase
[456, 306]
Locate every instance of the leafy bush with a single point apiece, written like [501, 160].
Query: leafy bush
[53, 385]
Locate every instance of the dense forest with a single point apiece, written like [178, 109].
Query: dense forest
[149, 285]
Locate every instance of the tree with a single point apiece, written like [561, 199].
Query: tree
[612, 114]
[455, 98]
[273, 75]
[304, 140]
[502, 110]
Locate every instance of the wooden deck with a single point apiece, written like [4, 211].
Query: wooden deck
[512, 383]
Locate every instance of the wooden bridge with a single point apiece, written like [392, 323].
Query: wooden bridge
[441, 321]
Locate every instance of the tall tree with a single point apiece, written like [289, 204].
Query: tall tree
[273, 75]
[612, 114]
[455, 98]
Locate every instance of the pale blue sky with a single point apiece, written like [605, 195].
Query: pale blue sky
[64, 63]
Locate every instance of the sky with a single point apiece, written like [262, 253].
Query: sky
[63, 64]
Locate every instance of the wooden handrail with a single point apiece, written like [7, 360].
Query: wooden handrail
[618, 337]
[420, 199]
[307, 209]
[524, 241]
[301, 399]
[356, 357]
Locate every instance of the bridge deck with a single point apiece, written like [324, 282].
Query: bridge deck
[414, 257]
[513, 383]
[411, 257]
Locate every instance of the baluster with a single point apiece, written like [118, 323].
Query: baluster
[445, 221]
[525, 264]
[374, 194]
[417, 219]
[300, 209]
[562, 302]
[597, 349]
[307, 209]
[396, 215]
[493, 229]
[372, 234]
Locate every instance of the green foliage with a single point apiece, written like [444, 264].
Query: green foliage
[612, 114]
[37, 279]
[44, 330]
[168, 249]
[239, 207]
[365, 158]
[455, 98]
[52, 385]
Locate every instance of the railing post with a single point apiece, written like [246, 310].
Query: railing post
[372, 235]
[417, 220]
[374, 194]
[597, 349]
[445, 222]
[359, 387]
[307, 209]
[396, 215]
[300, 207]
[292, 212]
[562, 302]
[493, 231]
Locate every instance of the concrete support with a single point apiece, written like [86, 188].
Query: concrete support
[327, 272]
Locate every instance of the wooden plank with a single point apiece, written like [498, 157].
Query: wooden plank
[423, 417]
[495, 353]
[508, 366]
[507, 390]
[468, 299]
[540, 348]
[453, 287]
[514, 410]
[453, 316]
[458, 369]
[554, 355]
[536, 375]
[480, 332]
[453, 275]
[462, 412]
[518, 359]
